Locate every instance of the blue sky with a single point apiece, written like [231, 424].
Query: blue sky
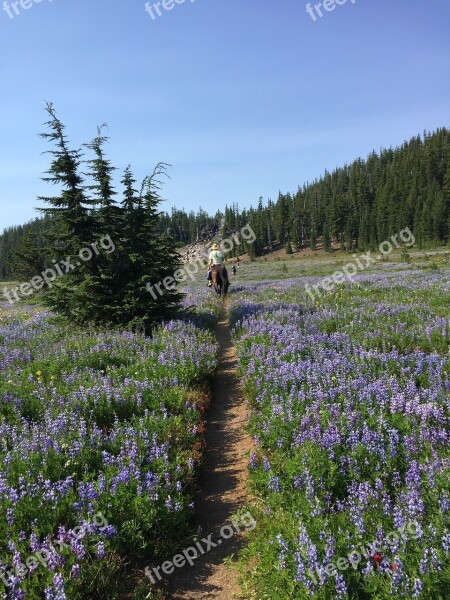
[243, 97]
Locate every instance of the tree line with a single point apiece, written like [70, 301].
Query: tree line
[356, 206]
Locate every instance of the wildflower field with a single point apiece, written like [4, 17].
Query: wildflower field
[349, 409]
[100, 437]
[102, 432]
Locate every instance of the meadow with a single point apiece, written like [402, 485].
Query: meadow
[101, 434]
[348, 397]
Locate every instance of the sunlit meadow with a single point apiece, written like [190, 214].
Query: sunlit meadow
[349, 409]
[101, 433]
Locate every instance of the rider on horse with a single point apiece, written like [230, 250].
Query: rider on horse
[216, 259]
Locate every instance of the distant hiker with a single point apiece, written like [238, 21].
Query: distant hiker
[234, 270]
[216, 259]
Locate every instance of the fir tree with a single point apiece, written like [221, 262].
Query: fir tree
[153, 261]
[326, 238]
[73, 227]
[27, 259]
[112, 288]
[101, 171]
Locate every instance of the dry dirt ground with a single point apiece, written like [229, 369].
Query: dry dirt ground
[223, 483]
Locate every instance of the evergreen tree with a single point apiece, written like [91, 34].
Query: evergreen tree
[101, 171]
[110, 288]
[446, 194]
[326, 238]
[153, 260]
[27, 259]
[73, 227]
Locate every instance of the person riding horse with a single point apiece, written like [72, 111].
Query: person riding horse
[216, 259]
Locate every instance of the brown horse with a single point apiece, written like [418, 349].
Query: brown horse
[220, 281]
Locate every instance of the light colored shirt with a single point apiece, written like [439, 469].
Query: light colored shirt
[216, 257]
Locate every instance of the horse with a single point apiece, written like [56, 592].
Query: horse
[220, 281]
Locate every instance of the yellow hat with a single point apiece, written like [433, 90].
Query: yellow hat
[215, 247]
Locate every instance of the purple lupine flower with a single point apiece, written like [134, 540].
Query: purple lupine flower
[75, 571]
[101, 550]
[417, 588]
[274, 484]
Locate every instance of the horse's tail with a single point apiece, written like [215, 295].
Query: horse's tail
[225, 282]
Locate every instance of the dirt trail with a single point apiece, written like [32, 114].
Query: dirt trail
[222, 483]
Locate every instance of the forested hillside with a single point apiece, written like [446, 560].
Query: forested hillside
[358, 205]
[31, 235]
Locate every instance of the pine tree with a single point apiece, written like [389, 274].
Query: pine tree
[101, 289]
[326, 238]
[27, 259]
[150, 294]
[73, 227]
[101, 171]
[112, 289]
[313, 239]
[446, 193]
[250, 249]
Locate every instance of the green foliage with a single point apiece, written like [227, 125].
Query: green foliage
[11, 262]
[112, 412]
[110, 287]
[326, 238]
[357, 205]
[27, 258]
[250, 249]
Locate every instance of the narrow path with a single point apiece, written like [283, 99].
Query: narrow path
[222, 483]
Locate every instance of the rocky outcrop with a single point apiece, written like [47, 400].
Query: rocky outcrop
[195, 252]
